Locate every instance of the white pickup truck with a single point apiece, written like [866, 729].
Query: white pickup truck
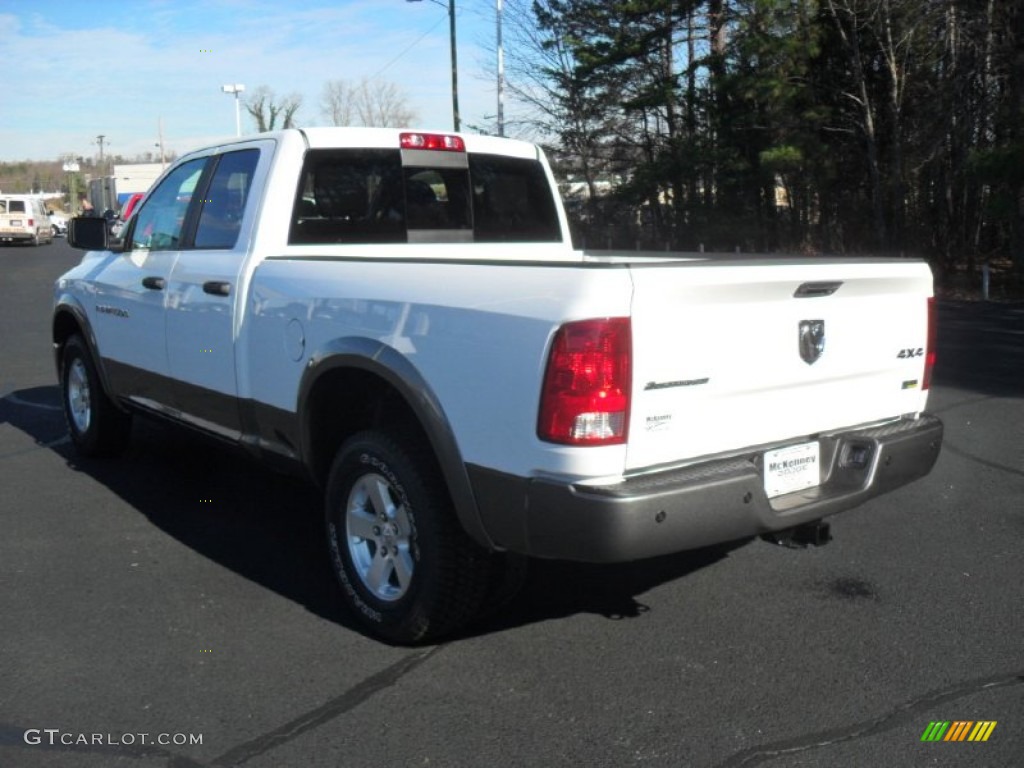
[401, 317]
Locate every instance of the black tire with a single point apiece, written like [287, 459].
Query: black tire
[97, 427]
[407, 570]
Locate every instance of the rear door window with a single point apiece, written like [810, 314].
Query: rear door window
[220, 218]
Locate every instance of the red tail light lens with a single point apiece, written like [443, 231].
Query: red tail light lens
[929, 350]
[585, 397]
[439, 141]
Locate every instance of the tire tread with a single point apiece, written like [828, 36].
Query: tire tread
[109, 432]
[462, 567]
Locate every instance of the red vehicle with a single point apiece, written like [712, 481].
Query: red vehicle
[130, 205]
[117, 222]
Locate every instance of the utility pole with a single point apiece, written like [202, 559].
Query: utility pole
[99, 140]
[501, 78]
[455, 64]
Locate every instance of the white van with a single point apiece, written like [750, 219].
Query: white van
[23, 219]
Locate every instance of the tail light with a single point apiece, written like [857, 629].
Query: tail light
[929, 350]
[437, 141]
[31, 222]
[585, 396]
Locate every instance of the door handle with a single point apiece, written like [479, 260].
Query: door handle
[217, 287]
[156, 283]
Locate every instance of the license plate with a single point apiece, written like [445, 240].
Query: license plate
[15, 222]
[791, 469]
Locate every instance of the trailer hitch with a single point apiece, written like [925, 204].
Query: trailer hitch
[815, 534]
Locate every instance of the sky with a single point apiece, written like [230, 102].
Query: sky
[78, 69]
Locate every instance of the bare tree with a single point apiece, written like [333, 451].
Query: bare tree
[269, 112]
[371, 103]
[336, 103]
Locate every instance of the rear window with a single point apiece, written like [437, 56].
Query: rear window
[14, 206]
[437, 200]
[366, 196]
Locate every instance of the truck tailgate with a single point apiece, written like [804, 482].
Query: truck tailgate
[735, 354]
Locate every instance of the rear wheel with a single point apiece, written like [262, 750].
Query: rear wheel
[95, 424]
[406, 568]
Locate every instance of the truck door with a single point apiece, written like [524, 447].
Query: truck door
[203, 314]
[130, 291]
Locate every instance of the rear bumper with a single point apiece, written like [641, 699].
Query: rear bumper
[699, 505]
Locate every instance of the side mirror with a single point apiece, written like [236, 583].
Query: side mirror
[90, 233]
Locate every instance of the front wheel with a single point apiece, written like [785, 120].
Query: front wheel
[406, 568]
[95, 424]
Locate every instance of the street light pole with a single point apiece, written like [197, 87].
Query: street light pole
[235, 88]
[455, 64]
[105, 200]
[160, 143]
[71, 168]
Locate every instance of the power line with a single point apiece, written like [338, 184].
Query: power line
[408, 48]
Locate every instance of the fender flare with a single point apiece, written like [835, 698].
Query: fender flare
[68, 304]
[389, 364]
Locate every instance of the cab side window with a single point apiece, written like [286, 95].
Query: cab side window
[159, 223]
[349, 196]
[220, 219]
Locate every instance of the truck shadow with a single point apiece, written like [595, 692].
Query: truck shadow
[268, 527]
[981, 347]
[554, 590]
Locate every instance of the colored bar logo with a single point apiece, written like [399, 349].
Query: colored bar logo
[958, 730]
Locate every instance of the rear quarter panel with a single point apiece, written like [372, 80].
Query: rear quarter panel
[477, 333]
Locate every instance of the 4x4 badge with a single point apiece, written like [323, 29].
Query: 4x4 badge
[812, 340]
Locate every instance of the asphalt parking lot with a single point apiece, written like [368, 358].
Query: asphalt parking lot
[179, 595]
